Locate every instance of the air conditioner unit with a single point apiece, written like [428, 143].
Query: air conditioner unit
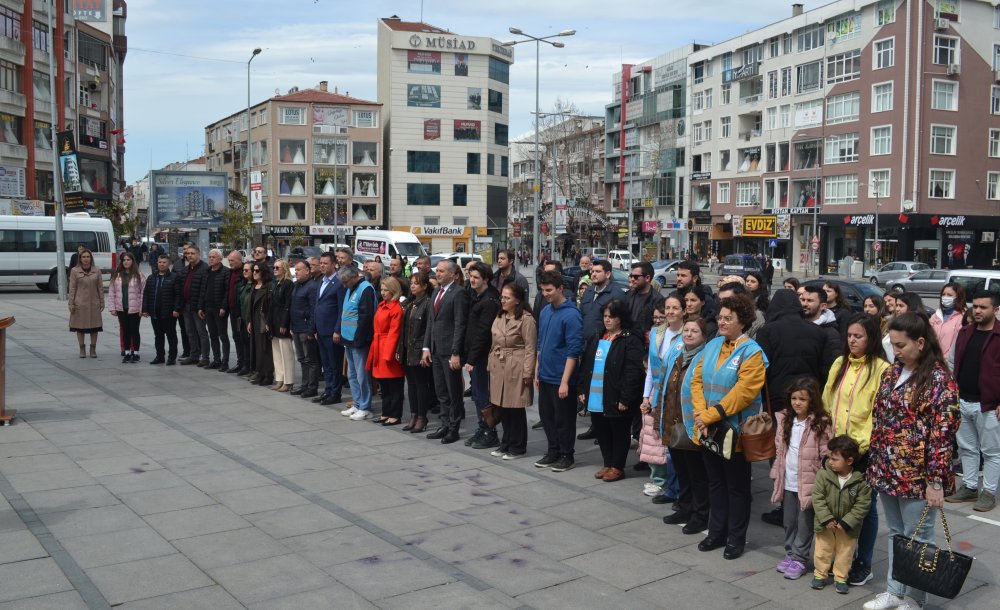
[954, 69]
[941, 24]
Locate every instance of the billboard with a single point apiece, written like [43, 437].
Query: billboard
[89, 10]
[69, 165]
[12, 181]
[188, 199]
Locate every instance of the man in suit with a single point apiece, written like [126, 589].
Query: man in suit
[303, 327]
[444, 343]
[329, 296]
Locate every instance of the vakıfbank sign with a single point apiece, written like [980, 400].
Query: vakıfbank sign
[457, 44]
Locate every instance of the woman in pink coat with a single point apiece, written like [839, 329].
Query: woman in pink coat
[383, 361]
[947, 320]
[125, 303]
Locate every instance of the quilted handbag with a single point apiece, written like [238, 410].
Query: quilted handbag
[923, 566]
[721, 438]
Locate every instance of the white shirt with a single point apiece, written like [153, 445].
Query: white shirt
[843, 479]
[904, 375]
[792, 456]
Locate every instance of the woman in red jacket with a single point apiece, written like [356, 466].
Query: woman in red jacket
[383, 362]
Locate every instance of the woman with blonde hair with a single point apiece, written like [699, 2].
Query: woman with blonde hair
[279, 321]
[86, 301]
[384, 363]
[125, 301]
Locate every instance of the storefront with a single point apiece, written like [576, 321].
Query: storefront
[766, 234]
[449, 238]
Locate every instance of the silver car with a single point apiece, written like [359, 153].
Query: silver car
[896, 271]
[928, 282]
[665, 273]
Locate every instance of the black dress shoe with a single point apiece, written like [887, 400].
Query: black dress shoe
[329, 400]
[664, 499]
[586, 435]
[224, 367]
[321, 397]
[235, 369]
[441, 432]
[214, 365]
[451, 436]
[677, 518]
[774, 517]
[135, 357]
[733, 551]
[185, 356]
[156, 360]
[696, 525]
[297, 391]
[467, 393]
[309, 394]
[710, 544]
[126, 358]
[171, 361]
[203, 364]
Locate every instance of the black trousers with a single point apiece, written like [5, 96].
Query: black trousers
[239, 333]
[165, 329]
[515, 431]
[729, 495]
[197, 333]
[614, 436]
[307, 353]
[558, 417]
[420, 389]
[392, 396]
[692, 482]
[263, 360]
[449, 386]
[218, 334]
[130, 330]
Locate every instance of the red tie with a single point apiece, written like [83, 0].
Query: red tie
[438, 300]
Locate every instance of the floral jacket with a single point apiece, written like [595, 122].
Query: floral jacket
[912, 435]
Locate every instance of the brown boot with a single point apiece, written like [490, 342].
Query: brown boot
[93, 351]
[278, 385]
[83, 351]
[285, 387]
[613, 474]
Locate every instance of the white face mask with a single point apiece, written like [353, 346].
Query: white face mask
[947, 302]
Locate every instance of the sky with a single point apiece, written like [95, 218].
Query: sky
[187, 60]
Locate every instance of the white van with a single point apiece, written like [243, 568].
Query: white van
[973, 280]
[387, 244]
[28, 247]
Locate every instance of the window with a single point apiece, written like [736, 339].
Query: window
[727, 93]
[772, 118]
[808, 76]
[882, 97]
[993, 149]
[844, 27]
[726, 124]
[365, 118]
[885, 54]
[772, 84]
[996, 57]
[91, 51]
[944, 95]
[460, 194]
[786, 44]
[882, 140]
[727, 61]
[495, 101]
[774, 46]
[698, 101]
[941, 184]
[995, 100]
[365, 153]
[291, 116]
[879, 183]
[697, 133]
[10, 23]
[500, 134]
[423, 194]
[753, 55]
[699, 72]
[785, 111]
[708, 98]
[993, 185]
[809, 113]
[40, 36]
[747, 194]
[499, 71]
[504, 166]
[839, 190]
[423, 161]
[842, 148]
[490, 164]
[10, 128]
[786, 81]
[996, 17]
[472, 163]
[708, 130]
[945, 50]
[722, 193]
[843, 108]
[810, 37]
[10, 76]
[886, 12]
[942, 140]
[843, 67]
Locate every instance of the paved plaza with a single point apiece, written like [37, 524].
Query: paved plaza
[137, 486]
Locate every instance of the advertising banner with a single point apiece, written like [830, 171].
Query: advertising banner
[188, 199]
[562, 215]
[423, 96]
[759, 226]
[649, 226]
[89, 10]
[468, 131]
[11, 181]
[257, 196]
[22, 207]
[69, 165]
[432, 129]
[423, 62]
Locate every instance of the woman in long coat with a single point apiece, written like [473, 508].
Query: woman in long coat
[86, 301]
[383, 360]
[511, 366]
[260, 336]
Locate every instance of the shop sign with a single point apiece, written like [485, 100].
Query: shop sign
[12, 181]
[860, 220]
[439, 230]
[746, 71]
[442, 42]
[948, 221]
[281, 230]
[650, 226]
[796, 210]
[331, 230]
[759, 226]
[701, 175]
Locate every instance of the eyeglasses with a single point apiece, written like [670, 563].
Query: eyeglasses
[256, 270]
[633, 276]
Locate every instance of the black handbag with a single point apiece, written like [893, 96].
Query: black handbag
[722, 437]
[926, 567]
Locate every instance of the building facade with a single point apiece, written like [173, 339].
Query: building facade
[445, 100]
[89, 46]
[855, 117]
[319, 154]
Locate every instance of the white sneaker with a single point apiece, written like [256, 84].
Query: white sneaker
[653, 490]
[886, 601]
[512, 456]
[360, 415]
[496, 453]
[349, 412]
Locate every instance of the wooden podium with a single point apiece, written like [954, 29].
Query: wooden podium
[5, 415]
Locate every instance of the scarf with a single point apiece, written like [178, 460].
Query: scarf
[661, 333]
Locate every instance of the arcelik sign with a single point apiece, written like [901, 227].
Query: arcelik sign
[860, 220]
[948, 221]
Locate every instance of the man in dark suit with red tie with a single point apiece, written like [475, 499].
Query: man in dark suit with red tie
[444, 343]
[329, 297]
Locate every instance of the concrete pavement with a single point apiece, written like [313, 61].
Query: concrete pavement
[152, 487]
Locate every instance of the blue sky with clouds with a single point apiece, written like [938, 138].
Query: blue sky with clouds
[186, 65]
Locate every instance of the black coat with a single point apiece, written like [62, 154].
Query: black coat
[164, 302]
[303, 304]
[624, 373]
[411, 339]
[483, 309]
[197, 273]
[215, 290]
[642, 307]
[279, 309]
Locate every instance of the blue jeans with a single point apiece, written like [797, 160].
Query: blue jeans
[902, 516]
[479, 380]
[979, 434]
[665, 477]
[331, 355]
[357, 376]
[868, 535]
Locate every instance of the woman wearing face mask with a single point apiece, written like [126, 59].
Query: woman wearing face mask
[947, 320]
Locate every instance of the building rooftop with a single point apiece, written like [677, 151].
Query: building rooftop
[318, 96]
[397, 24]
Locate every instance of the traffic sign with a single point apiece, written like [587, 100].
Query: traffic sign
[772, 244]
[878, 246]
[815, 246]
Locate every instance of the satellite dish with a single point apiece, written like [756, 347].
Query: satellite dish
[728, 217]
[909, 206]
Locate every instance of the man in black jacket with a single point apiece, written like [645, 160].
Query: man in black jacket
[161, 303]
[179, 270]
[484, 304]
[813, 299]
[642, 298]
[214, 307]
[235, 322]
[191, 284]
[507, 273]
[303, 328]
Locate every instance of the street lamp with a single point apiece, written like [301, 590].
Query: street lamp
[538, 173]
[246, 157]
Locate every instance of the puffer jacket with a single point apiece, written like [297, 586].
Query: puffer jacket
[651, 448]
[795, 347]
[812, 451]
[197, 274]
[947, 332]
[163, 303]
[848, 505]
[135, 288]
[215, 290]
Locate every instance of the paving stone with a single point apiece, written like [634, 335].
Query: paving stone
[173, 451]
[560, 540]
[134, 425]
[582, 593]
[269, 578]
[412, 518]
[35, 463]
[21, 449]
[451, 596]
[711, 592]
[460, 543]
[328, 479]
[378, 576]
[74, 498]
[412, 479]
[540, 494]
[296, 521]
[230, 547]
[135, 464]
[67, 600]
[219, 482]
[594, 513]
[101, 450]
[195, 522]
[19, 546]
[205, 598]
[624, 566]
[503, 516]
[519, 571]
[202, 464]
[53, 479]
[649, 534]
[116, 547]
[91, 521]
[336, 546]
[134, 580]
[31, 578]
[335, 596]
[166, 500]
[81, 437]
[452, 462]
[259, 499]
[133, 482]
[457, 496]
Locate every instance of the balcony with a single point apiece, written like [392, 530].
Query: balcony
[13, 151]
[13, 101]
[11, 50]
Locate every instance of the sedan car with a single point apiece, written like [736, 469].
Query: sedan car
[621, 259]
[740, 264]
[665, 273]
[928, 282]
[898, 270]
[855, 291]
[571, 277]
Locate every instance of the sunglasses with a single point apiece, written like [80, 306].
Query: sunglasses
[256, 270]
[635, 277]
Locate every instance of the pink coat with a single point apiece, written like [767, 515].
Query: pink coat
[947, 331]
[134, 295]
[811, 454]
[651, 448]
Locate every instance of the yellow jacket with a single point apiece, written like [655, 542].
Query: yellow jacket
[752, 375]
[849, 400]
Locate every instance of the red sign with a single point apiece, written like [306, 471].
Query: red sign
[467, 131]
[432, 129]
[650, 226]
[878, 246]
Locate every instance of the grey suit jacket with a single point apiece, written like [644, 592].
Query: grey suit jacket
[445, 334]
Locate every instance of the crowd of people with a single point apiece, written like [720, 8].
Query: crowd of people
[867, 405]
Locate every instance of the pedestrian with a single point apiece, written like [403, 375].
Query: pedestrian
[214, 309]
[791, 283]
[191, 289]
[803, 431]
[977, 372]
[180, 273]
[949, 318]
[511, 368]
[279, 320]
[841, 499]
[837, 305]
[125, 302]
[484, 304]
[257, 328]
[303, 328]
[383, 361]
[357, 331]
[86, 301]
[327, 316]
[874, 306]
[236, 281]
[689, 275]
[161, 303]
[560, 343]
[668, 320]
[914, 422]
[74, 260]
[397, 271]
[539, 304]
[506, 273]
[419, 377]
[601, 292]
[768, 275]
[444, 344]
[814, 309]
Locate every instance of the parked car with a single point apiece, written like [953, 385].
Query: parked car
[299, 253]
[665, 273]
[595, 254]
[896, 271]
[621, 259]
[855, 291]
[974, 280]
[928, 282]
[740, 264]
[571, 277]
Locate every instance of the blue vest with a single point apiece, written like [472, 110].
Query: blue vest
[657, 365]
[687, 407]
[717, 382]
[349, 320]
[595, 402]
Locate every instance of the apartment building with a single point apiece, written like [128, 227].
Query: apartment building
[446, 107]
[855, 117]
[89, 47]
[319, 155]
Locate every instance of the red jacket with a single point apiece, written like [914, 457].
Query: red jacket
[382, 354]
[989, 364]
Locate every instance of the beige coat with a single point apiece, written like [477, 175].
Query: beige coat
[86, 299]
[512, 360]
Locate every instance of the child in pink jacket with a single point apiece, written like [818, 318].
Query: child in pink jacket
[125, 303]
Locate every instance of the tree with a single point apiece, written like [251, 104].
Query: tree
[237, 222]
[124, 220]
[298, 237]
